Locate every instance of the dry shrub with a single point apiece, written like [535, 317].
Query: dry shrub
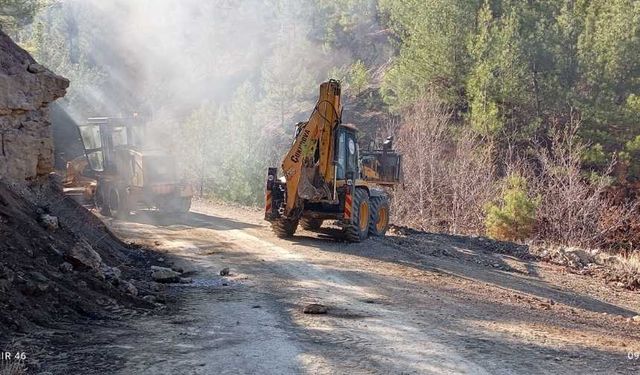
[619, 228]
[633, 262]
[448, 178]
[574, 210]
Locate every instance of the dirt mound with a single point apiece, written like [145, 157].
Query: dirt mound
[59, 263]
[613, 270]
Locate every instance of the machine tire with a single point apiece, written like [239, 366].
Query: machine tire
[284, 228]
[379, 222]
[101, 202]
[118, 204]
[310, 224]
[357, 229]
[183, 204]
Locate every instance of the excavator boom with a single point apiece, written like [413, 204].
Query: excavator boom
[312, 151]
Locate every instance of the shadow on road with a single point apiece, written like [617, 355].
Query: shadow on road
[456, 255]
[190, 220]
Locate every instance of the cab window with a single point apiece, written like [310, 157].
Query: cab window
[347, 154]
[352, 154]
[342, 155]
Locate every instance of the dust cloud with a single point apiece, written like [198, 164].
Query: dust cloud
[165, 58]
[220, 84]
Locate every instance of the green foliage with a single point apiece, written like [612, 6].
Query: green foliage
[498, 83]
[341, 73]
[511, 68]
[595, 157]
[513, 218]
[358, 77]
[607, 55]
[631, 157]
[285, 79]
[197, 152]
[335, 23]
[432, 37]
[222, 149]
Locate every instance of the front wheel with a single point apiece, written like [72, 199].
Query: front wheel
[379, 222]
[357, 229]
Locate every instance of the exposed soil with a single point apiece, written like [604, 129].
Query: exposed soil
[408, 303]
[45, 292]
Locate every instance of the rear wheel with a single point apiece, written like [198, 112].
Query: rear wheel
[184, 204]
[357, 229]
[310, 224]
[102, 201]
[283, 227]
[379, 216]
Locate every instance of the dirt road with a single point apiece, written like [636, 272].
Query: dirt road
[435, 304]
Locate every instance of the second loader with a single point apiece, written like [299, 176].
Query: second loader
[129, 174]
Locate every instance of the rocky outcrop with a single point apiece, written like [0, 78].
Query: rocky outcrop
[26, 89]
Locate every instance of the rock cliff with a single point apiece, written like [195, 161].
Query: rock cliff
[26, 89]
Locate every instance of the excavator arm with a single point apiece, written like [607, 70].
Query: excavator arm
[309, 163]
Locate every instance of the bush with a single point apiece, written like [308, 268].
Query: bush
[448, 178]
[358, 77]
[514, 218]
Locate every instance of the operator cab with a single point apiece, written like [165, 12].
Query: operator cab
[346, 153]
[101, 136]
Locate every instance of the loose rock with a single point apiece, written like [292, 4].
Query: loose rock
[224, 271]
[129, 288]
[164, 275]
[49, 222]
[82, 255]
[315, 308]
[111, 273]
[37, 276]
[578, 257]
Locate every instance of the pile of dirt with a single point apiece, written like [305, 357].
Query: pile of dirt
[611, 269]
[449, 244]
[60, 264]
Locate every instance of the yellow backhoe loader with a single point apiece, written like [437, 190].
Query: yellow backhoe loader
[326, 177]
[130, 175]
